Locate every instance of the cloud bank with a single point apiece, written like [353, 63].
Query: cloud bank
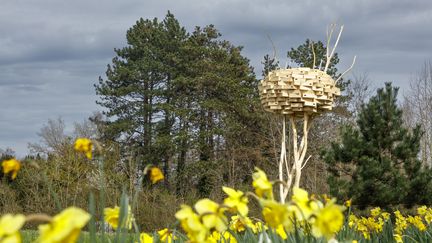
[52, 52]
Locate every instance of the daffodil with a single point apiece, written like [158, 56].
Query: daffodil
[398, 238]
[352, 220]
[385, 216]
[156, 175]
[375, 211]
[260, 227]
[348, 203]
[212, 214]
[10, 226]
[84, 145]
[11, 166]
[276, 214]
[166, 235]
[226, 236]
[239, 224]
[422, 210]
[428, 216]
[401, 223]
[417, 222]
[236, 201]
[112, 217]
[328, 221]
[263, 187]
[64, 227]
[191, 224]
[303, 207]
[281, 232]
[146, 238]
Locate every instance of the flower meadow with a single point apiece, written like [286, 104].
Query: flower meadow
[304, 218]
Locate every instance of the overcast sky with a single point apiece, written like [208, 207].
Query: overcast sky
[53, 51]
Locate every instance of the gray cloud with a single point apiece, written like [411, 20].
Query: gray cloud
[52, 52]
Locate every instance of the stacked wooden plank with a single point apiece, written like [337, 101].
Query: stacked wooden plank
[296, 91]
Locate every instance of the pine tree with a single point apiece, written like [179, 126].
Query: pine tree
[270, 64]
[179, 99]
[376, 162]
[138, 90]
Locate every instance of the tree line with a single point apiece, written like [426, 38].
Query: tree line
[173, 97]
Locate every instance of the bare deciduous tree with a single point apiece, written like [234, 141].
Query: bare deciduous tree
[52, 137]
[360, 90]
[418, 109]
[85, 129]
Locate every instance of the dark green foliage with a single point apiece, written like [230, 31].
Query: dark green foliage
[376, 164]
[176, 98]
[137, 91]
[269, 64]
[303, 56]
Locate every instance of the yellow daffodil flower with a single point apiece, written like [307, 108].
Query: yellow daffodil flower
[328, 221]
[428, 216]
[239, 224]
[276, 214]
[166, 235]
[156, 175]
[375, 212]
[226, 236]
[146, 238]
[303, 207]
[263, 187]
[11, 166]
[352, 220]
[401, 223]
[191, 224]
[112, 215]
[84, 145]
[348, 203]
[281, 232]
[236, 201]
[260, 227]
[64, 227]
[422, 210]
[417, 222]
[10, 226]
[212, 214]
[385, 216]
[398, 238]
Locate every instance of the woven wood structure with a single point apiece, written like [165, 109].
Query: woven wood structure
[298, 91]
[299, 95]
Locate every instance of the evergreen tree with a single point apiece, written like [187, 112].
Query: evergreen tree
[269, 64]
[376, 162]
[178, 99]
[304, 56]
[137, 92]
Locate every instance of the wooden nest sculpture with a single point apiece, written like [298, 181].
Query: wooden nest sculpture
[296, 91]
[299, 94]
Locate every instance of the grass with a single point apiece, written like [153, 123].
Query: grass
[32, 235]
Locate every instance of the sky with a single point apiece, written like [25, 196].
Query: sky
[52, 52]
